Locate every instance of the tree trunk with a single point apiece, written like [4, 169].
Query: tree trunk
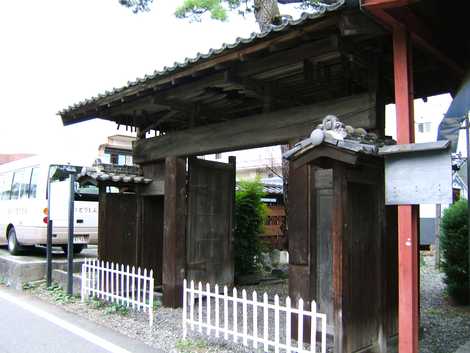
[266, 13]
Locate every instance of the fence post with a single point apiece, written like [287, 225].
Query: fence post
[265, 321]
[82, 289]
[151, 288]
[323, 334]
[185, 303]
[101, 269]
[106, 272]
[276, 323]
[255, 319]
[245, 318]
[313, 327]
[144, 292]
[217, 314]
[191, 313]
[133, 287]
[300, 325]
[208, 308]
[235, 315]
[225, 312]
[139, 302]
[288, 325]
[200, 307]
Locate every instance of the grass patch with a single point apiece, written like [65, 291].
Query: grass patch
[108, 308]
[191, 346]
[59, 294]
[115, 308]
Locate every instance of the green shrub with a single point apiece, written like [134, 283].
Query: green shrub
[454, 247]
[250, 216]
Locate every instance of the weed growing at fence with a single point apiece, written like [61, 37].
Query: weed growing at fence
[156, 304]
[59, 294]
[29, 285]
[96, 303]
[116, 308]
[191, 346]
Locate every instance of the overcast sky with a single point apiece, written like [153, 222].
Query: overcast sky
[55, 53]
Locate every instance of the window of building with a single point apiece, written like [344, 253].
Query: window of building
[121, 160]
[427, 127]
[114, 159]
[106, 159]
[129, 160]
[424, 127]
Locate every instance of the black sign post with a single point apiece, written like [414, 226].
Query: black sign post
[70, 237]
[49, 253]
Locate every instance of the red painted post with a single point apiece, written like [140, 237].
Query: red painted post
[408, 270]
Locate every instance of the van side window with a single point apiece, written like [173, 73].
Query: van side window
[20, 185]
[34, 183]
[5, 186]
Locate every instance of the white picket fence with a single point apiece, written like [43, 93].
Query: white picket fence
[119, 284]
[204, 318]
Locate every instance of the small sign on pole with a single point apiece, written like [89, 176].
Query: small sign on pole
[418, 173]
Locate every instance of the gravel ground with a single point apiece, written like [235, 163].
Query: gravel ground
[444, 327]
[166, 333]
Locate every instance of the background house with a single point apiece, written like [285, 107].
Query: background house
[6, 158]
[117, 150]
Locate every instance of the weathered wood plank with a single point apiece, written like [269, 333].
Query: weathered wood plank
[260, 130]
[209, 222]
[298, 216]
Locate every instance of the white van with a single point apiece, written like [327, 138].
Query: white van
[24, 207]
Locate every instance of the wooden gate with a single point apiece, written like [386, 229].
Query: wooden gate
[211, 192]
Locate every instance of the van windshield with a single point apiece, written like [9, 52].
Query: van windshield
[60, 173]
[86, 193]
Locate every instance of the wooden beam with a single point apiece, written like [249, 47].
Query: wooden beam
[167, 116]
[384, 4]
[394, 14]
[259, 130]
[292, 56]
[262, 90]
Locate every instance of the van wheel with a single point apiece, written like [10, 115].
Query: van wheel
[13, 246]
[77, 248]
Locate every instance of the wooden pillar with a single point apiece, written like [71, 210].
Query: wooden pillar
[408, 269]
[340, 260]
[300, 275]
[174, 236]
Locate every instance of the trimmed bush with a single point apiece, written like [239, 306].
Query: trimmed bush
[250, 216]
[454, 247]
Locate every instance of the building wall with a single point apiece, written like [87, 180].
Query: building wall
[264, 162]
[6, 158]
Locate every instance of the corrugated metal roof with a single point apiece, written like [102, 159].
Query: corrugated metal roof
[239, 42]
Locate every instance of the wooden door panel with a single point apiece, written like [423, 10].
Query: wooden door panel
[209, 231]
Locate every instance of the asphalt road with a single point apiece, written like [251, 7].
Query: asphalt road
[28, 325]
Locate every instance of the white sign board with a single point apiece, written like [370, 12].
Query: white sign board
[418, 177]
